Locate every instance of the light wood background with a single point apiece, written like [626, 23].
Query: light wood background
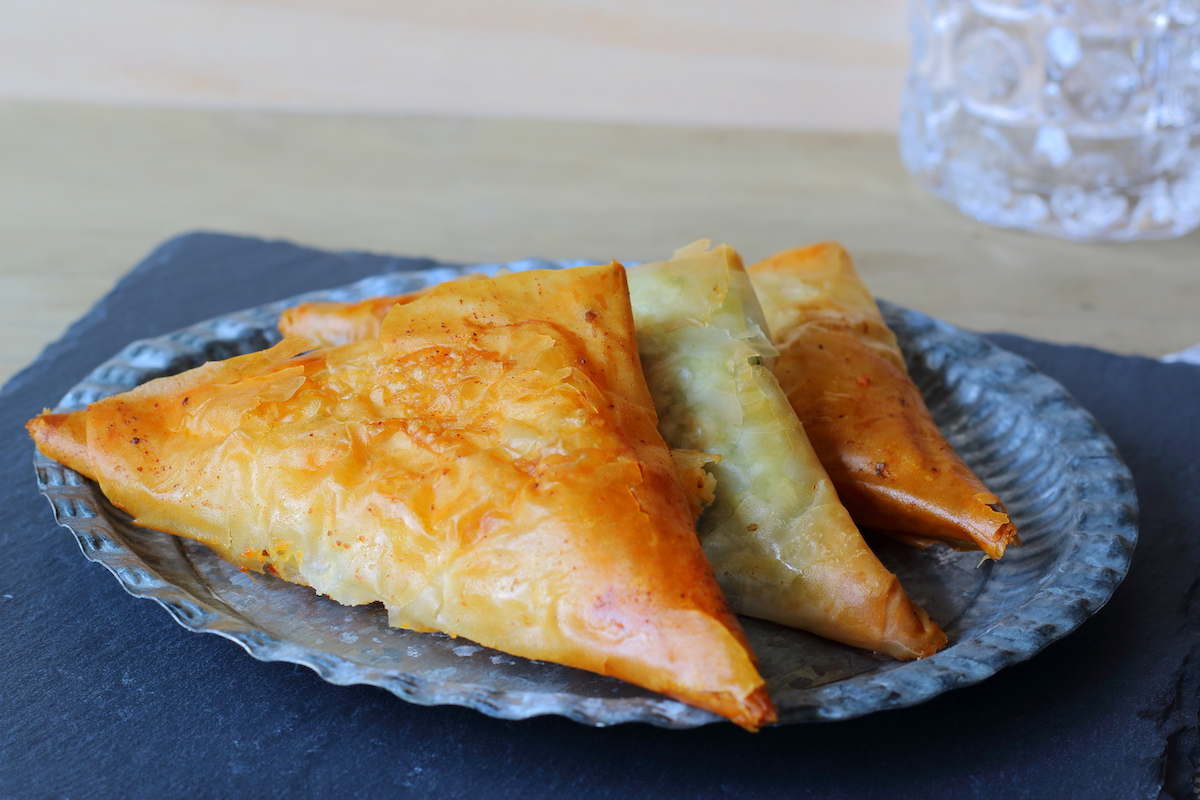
[87, 191]
[799, 64]
[489, 130]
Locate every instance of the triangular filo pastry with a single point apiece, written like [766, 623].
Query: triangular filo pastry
[844, 374]
[488, 467]
[783, 547]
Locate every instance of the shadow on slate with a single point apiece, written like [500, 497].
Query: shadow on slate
[103, 695]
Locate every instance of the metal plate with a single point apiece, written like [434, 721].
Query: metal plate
[1067, 489]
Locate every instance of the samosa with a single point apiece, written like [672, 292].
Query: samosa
[783, 547]
[844, 374]
[488, 467]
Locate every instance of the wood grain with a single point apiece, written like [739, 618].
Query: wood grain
[88, 191]
[755, 63]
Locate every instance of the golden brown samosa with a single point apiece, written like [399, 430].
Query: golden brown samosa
[844, 374]
[487, 467]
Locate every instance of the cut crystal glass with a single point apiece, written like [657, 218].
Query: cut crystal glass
[1076, 118]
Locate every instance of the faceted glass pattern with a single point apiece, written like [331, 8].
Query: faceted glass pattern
[1077, 118]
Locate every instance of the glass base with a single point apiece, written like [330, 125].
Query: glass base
[1067, 212]
[979, 179]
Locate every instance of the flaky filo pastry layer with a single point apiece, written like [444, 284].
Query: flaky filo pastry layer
[844, 374]
[488, 467]
[783, 546]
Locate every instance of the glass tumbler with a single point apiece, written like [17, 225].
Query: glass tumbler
[1076, 118]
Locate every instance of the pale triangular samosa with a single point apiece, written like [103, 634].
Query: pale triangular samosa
[487, 467]
[844, 374]
[783, 547]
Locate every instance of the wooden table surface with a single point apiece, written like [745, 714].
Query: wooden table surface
[87, 191]
[793, 64]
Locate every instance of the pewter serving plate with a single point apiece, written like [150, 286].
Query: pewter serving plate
[1068, 491]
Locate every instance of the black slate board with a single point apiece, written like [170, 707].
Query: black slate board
[102, 695]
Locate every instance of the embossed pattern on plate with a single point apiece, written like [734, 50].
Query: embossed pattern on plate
[1060, 475]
